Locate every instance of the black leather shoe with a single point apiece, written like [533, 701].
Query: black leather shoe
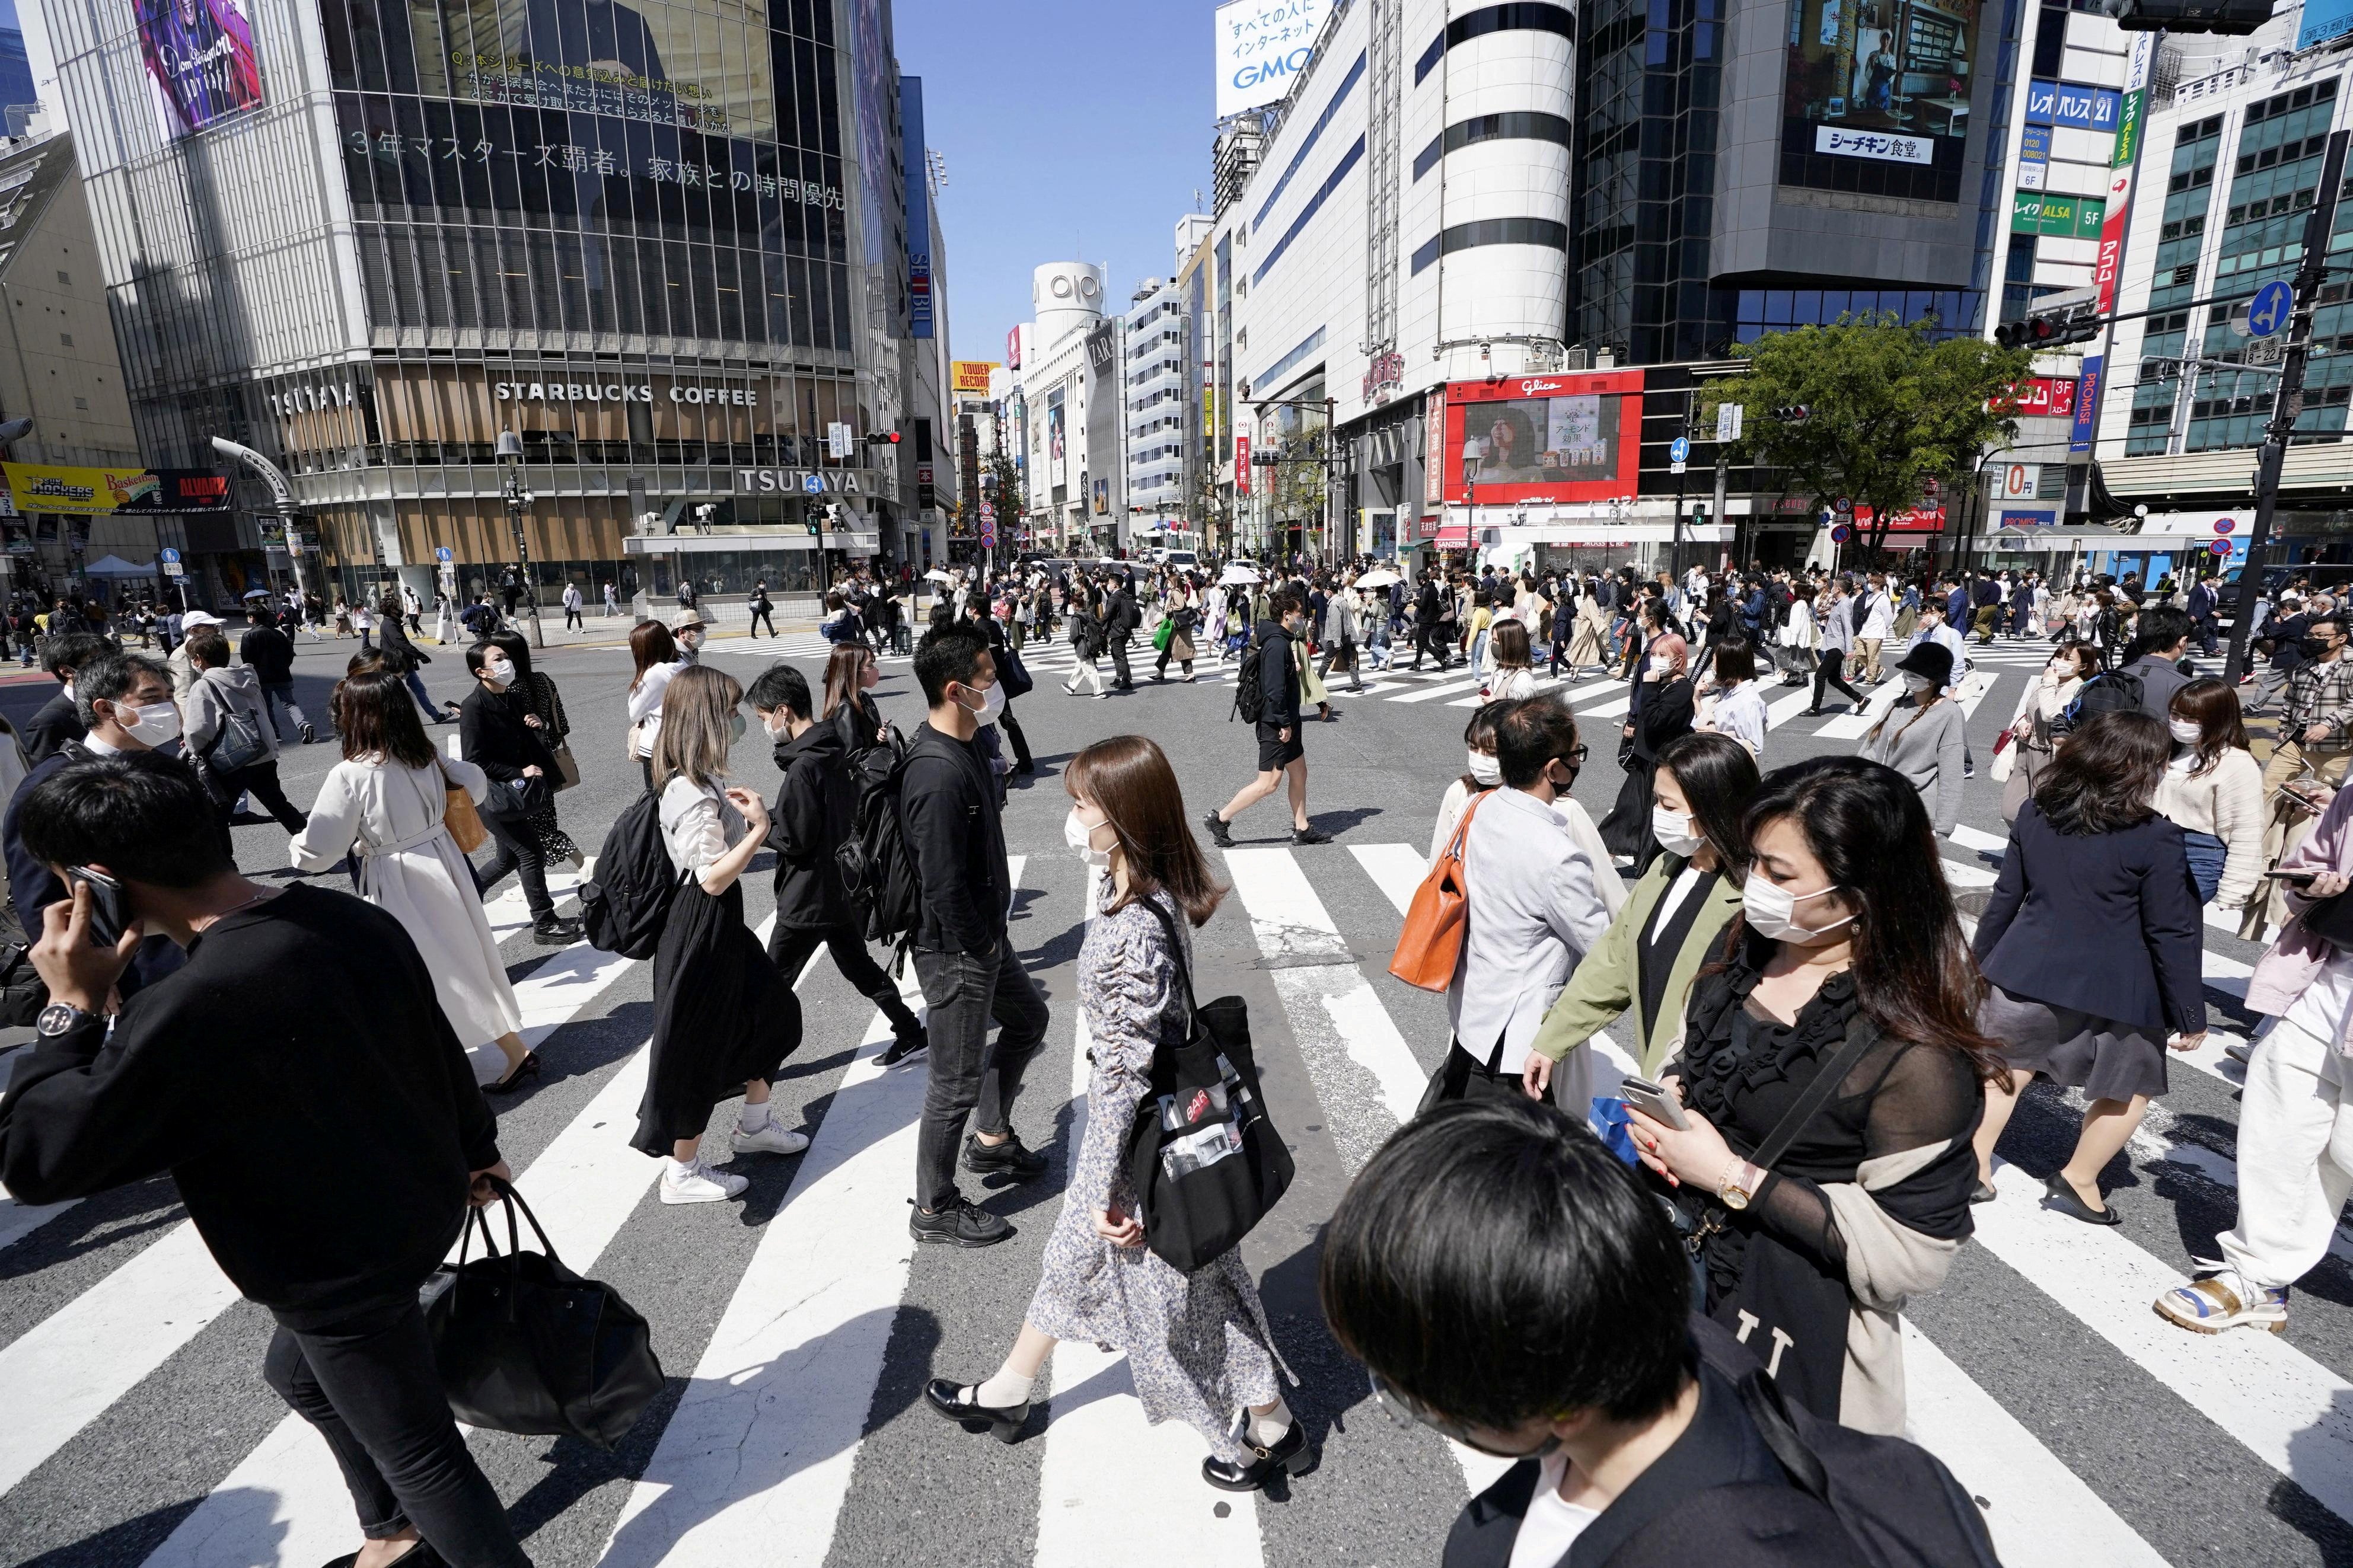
[959, 1224]
[1291, 1456]
[2058, 1195]
[419, 1555]
[1220, 831]
[522, 1072]
[554, 930]
[1983, 1193]
[1002, 1422]
[1007, 1159]
[904, 1047]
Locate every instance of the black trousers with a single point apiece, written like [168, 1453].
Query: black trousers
[1118, 662]
[1425, 640]
[260, 781]
[970, 1077]
[519, 852]
[762, 614]
[792, 946]
[369, 1385]
[1012, 728]
[1826, 674]
[572, 618]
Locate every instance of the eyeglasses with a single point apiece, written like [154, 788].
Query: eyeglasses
[1409, 1413]
[1575, 756]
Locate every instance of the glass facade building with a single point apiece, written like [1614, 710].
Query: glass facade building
[656, 240]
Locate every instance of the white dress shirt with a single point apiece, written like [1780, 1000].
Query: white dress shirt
[1536, 909]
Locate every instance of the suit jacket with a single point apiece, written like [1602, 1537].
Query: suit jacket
[1536, 909]
[57, 720]
[2106, 924]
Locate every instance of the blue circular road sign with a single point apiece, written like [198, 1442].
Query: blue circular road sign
[1841, 534]
[2269, 311]
[441, 553]
[171, 555]
[1679, 450]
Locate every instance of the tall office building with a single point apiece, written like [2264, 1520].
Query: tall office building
[663, 243]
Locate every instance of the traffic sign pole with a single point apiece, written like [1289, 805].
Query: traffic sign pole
[2288, 401]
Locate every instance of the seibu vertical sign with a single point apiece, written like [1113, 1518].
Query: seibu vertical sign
[2132, 127]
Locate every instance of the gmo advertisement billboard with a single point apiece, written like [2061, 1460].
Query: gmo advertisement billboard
[1262, 45]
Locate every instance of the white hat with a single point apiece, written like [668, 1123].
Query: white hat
[686, 617]
[199, 618]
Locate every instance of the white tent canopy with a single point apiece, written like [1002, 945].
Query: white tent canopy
[116, 566]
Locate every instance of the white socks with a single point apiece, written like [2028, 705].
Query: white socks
[752, 1117]
[1267, 1430]
[1004, 1391]
[678, 1170]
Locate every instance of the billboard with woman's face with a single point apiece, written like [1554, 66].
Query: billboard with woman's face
[200, 57]
[1544, 437]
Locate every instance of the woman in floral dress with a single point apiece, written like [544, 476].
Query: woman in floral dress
[1197, 1345]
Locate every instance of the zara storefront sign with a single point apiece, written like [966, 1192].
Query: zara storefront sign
[551, 391]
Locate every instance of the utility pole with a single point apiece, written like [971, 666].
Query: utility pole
[1675, 550]
[2288, 401]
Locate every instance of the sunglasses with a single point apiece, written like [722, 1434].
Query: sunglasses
[1409, 1413]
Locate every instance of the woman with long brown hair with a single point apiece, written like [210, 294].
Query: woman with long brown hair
[723, 1017]
[1831, 1069]
[2093, 943]
[1199, 1347]
[655, 652]
[2213, 791]
[850, 674]
[384, 805]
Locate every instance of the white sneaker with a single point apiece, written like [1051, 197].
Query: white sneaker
[770, 1138]
[699, 1184]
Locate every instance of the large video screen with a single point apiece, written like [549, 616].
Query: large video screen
[682, 65]
[1877, 96]
[200, 58]
[1544, 438]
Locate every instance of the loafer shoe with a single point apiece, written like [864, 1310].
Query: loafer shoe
[1290, 1456]
[2057, 1195]
[955, 1403]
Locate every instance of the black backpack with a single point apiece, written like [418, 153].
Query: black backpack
[1250, 686]
[1204, 1159]
[877, 866]
[624, 907]
[2112, 691]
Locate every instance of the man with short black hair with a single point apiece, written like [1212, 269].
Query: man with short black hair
[963, 956]
[60, 719]
[1282, 743]
[125, 703]
[812, 820]
[1569, 1343]
[302, 1018]
[269, 654]
[2162, 634]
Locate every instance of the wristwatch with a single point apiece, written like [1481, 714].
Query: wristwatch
[1731, 1190]
[60, 1016]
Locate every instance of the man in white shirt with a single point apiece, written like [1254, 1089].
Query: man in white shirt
[1535, 905]
[1933, 629]
[1878, 621]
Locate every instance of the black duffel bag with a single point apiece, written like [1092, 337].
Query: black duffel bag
[524, 1344]
[1204, 1159]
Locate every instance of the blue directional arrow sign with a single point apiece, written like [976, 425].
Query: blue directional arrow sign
[2268, 311]
[441, 553]
[171, 555]
[813, 484]
[1679, 450]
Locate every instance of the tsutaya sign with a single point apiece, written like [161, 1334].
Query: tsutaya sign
[621, 391]
[797, 481]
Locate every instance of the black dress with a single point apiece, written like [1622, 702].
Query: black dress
[723, 1013]
[1782, 1261]
[1664, 714]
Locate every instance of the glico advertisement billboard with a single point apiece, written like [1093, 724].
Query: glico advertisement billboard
[1575, 436]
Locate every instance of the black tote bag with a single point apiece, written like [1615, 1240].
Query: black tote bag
[524, 1344]
[1204, 1159]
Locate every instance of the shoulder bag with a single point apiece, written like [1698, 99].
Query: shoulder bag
[458, 816]
[1204, 1159]
[526, 1345]
[1013, 674]
[1429, 946]
[238, 745]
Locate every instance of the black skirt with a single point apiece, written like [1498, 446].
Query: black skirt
[722, 1015]
[1627, 829]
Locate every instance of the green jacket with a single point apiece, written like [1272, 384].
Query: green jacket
[1605, 983]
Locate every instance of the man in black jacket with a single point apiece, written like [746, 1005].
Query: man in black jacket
[296, 1011]
[1282, 751]
[1120, 620]
[498, 733]
[1427, 608]
[60, 719]
[812, 820]
[269, 653]
[1569, 1344]
[964, 956]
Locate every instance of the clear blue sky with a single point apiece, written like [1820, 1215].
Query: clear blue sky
[1070, 131]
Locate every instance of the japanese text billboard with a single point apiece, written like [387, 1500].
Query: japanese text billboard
[1544, 437]
[1877, 96]
[200, 58]
[1261, 48]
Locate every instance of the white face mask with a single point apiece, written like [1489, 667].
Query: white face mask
[777, 724]
[1080, 837]
[2184, 731]
[500, 671]
[992, 702]
[1770, 910]
[1487, 770]
[154, 726]
[1917, 684]
[1676, 832]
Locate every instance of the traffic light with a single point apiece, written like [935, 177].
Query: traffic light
[2055, 329]
[882, 438]
[1793, 414]
[2227, 17]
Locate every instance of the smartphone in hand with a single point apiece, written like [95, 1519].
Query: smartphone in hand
[109, 909]
[1654, 1101]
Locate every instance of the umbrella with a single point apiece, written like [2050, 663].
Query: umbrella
[1238, 573]
[1381, 579]
[260, 594]
[936, 575]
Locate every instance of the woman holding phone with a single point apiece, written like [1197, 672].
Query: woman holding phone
[1830, 1074]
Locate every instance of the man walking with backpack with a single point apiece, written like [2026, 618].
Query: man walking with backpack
[812, 820]
[964, 956]
[1266, 693]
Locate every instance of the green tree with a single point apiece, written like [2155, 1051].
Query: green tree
[1888, 411]
[1009, 496]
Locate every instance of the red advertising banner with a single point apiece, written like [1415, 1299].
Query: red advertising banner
[1570, 437]
[1917, 520]
[2044, 398]
[1433, 470]
[1242, 465]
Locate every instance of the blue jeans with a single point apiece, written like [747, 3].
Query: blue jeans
[416, 689]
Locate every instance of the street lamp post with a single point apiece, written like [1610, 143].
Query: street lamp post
[510, 455]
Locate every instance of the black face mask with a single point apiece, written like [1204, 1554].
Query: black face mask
[2316, 648]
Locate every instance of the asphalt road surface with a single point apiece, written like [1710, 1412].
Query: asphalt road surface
[798, 1326]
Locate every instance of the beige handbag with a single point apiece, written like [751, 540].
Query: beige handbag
[567, 771]
[465, 824]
